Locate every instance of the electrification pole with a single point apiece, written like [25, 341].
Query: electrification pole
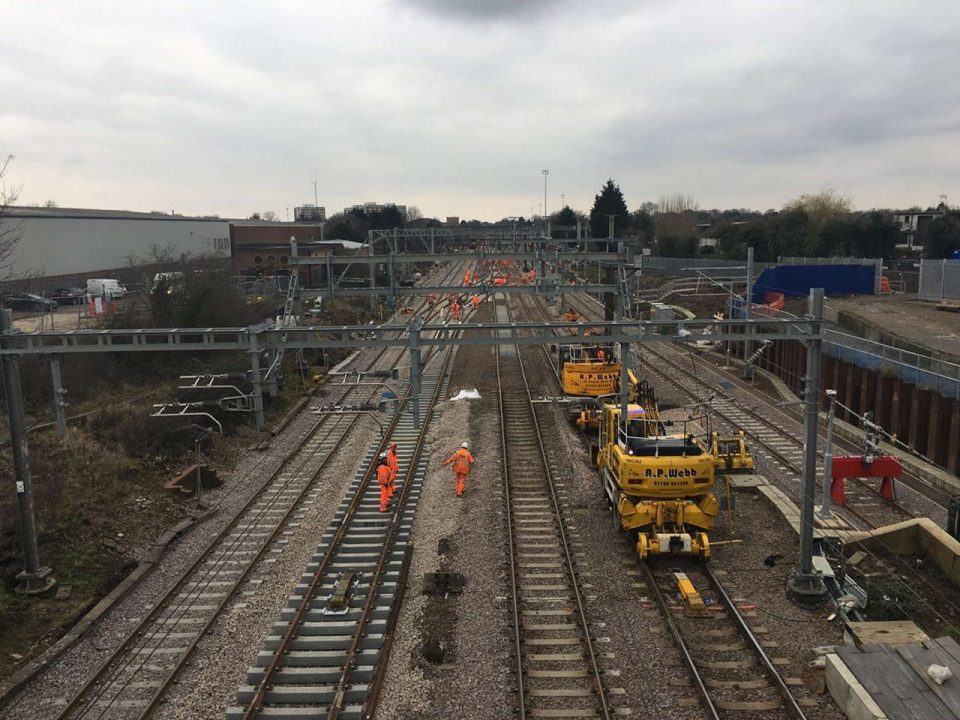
[414, 337]
[828, 458]
[545, 173]
[58, 392]
[256, 379]
[748, 373]
[805, 585]
[35, 578]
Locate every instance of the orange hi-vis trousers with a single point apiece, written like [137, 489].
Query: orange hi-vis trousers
[383, 477]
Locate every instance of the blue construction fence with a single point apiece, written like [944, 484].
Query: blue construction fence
[799, 279]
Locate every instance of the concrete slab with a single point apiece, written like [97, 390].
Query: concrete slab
[889, 632]
[851, 697]
[746, 481]
[910, 536]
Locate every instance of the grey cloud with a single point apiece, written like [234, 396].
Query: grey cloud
[487, 9]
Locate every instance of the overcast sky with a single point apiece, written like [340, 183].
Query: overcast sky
[457, 105]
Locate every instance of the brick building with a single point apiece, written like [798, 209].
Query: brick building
[260, 249]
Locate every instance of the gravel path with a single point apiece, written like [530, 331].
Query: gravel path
[466, 536]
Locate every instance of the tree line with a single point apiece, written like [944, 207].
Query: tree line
[821, 224]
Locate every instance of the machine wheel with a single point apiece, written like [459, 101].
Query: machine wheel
[643, 548]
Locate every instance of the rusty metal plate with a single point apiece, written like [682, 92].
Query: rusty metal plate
[736, 684]
[727, 664]
[751, 706]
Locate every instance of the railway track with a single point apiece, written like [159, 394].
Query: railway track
[777, 431]
[132, 680]
[325, 658]
[726, 661]
[778, 434]
[135, 677]
[557, 672]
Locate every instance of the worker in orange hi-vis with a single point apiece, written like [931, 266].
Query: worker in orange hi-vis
[475, 300]
[383, 477]
[455, 310]
[601, 354]
[462, 461]
[394, 464]
[467, 277]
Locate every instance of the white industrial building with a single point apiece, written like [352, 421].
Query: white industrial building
[73, 243]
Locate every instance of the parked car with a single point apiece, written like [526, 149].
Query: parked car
[67, 296]
[106, 288]
[29, 301]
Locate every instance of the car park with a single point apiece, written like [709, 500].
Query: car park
[107, 288]
[29, 301]
[67, 296]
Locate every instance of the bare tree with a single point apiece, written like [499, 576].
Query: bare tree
[269, 216]
[675, 217]
[11, 231]
[676, 203]
[50, 204]
[413, 213]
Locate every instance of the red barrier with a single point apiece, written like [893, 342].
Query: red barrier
[885, 466]
[850, 467]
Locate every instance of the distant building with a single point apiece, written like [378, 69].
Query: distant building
[64, 246]
[260, 249]
[370, 208]
[310, 214]
[913, 225]
[263, 250]
[452, 221]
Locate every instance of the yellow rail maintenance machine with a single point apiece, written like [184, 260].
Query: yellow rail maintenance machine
[660, 485]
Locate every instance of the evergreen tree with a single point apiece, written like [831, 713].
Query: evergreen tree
[609, 202]
[942, 237]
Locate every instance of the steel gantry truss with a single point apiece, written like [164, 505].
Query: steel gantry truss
[389, 265]
[472, 245]
[267, 337]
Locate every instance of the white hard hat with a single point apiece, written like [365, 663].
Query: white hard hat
[465, 445]
[383, 456]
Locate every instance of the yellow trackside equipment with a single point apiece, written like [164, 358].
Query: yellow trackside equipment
[730, 454]
[660, 485]
[691, 598]
[588, 371]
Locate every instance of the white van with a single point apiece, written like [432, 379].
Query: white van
[107, 288]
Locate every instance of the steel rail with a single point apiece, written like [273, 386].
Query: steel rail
[511, 556]
[138, 632]
[726, 414]
[351, 654]
[681, 644]
[767, 421]
[163, 604]
[925, 489]
[755, 645]
[595, 672]
[263, 685]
